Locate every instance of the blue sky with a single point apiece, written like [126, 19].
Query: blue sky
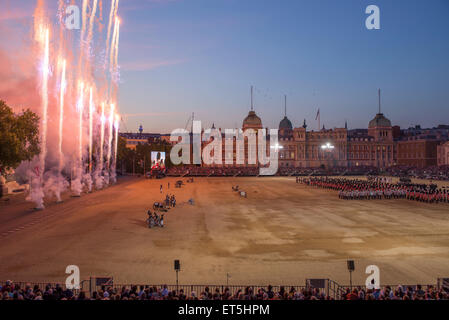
[202, 56]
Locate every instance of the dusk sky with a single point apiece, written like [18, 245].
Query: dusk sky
[202, 56]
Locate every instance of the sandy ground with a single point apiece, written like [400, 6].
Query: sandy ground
[283, 233]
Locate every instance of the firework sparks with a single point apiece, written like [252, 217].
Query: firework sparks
[79, 86]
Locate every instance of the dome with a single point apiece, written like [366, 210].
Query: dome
[252, 121]
[379, 121]
[285, 124]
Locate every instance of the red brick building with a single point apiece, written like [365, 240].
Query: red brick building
[417, 152]
[443, 154]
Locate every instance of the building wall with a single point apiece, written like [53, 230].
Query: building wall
[132, 143]
[300, 148]
[443, 154]
[309, 149]
[417, 153]
[377, 146]
[134, 139]
[209, 157]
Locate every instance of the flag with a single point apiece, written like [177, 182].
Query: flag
[317, 114]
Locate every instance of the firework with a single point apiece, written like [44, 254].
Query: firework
[45, 39]
[61, 128]
[73, 67]
[99, 174]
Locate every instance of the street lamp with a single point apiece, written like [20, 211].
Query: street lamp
[351, 268]
[177, 269]
[328, 146]
[277, 147]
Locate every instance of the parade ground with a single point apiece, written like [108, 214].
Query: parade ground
[282, 233]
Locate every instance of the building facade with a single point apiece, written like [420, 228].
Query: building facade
[338, 147]
[134, 139]
[419, 153]
[381, 145]
[443, 154]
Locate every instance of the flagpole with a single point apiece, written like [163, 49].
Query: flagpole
[319, 119]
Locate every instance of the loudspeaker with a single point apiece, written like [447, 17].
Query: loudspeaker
[351, 266]
[177, 265]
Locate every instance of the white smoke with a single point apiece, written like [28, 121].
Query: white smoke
[61, 170]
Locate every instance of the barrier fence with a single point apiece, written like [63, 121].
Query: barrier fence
[327, 287]
[198, 289]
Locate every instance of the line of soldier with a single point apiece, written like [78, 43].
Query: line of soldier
[370, 190]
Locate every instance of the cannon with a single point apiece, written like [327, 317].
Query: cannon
[159, 206]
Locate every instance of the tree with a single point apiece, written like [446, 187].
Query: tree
[138, 159]
[124, 156]
[19, 137]
[121, 149]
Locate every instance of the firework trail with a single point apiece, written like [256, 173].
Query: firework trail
[114, 165]
[61, 125]
[111, 125]
[61, 33]
[115, 63]
[99, 178]
[69, 82]
[84, 21]
[91, 132]
[117, 124]
[91, 22]
[44, 95]
[110, 137]
[61, 112]
[111, 46]
[80, 110]
[112, 67]
[77, 183]
[114, 39]
[112, 15]
[91, 125]
[82, 38]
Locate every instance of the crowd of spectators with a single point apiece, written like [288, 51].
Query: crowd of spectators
[396, 293]
[253, 171]
[11, 291]
[213, 171]
[335, 171]
[432, 173]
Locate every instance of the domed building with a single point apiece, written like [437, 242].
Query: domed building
[381, 132]
[380, 128]
[252, 121]
[379, 121]
[285, 124]
[288, 149]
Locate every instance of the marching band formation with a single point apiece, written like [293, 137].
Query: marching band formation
[379, 188]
